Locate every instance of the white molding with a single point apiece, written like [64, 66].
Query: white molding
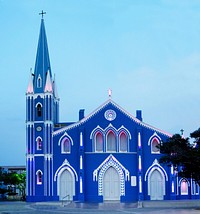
[152, 136]
[65, 165]
[85, 119]
[111, 161]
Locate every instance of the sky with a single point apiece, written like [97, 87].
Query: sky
[146, 52]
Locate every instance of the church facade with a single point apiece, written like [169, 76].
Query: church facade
[107, 155]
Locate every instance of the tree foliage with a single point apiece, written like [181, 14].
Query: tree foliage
[12, 179]
[185, 156]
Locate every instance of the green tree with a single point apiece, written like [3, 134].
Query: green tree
[12, 179]
[21, 182]
[185, 156]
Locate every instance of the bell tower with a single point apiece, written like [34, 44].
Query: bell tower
[42, 112]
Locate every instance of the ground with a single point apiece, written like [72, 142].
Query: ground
[104, 208]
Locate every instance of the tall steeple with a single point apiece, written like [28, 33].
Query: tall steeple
[42, 64]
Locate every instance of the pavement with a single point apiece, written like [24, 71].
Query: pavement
[144, 207]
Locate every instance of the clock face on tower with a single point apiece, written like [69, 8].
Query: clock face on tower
[110, 115]
[39, 128]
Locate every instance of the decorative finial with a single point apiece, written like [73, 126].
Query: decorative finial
[109, 93]
[42, 13]
[182, 133]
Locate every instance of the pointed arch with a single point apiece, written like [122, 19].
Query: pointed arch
[63, 136]
[184, 186]
[155, 135]
[65, 145]
[154, 141]
[65, 165]
[99, 142]
[39, 81]
[154, 146]
[39, 143]
[65, 168]
[156, 167]
[123, 142]
[39, 109]
[111, 141]
[65, 142]
[111, 161]
[39, 174]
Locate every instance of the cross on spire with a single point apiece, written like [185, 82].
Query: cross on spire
[42, 13]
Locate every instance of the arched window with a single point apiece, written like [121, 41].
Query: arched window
[39, 177]
[39, 143]
[111, 142]
[66, 145]
[154, 149]
[197, 188]
[184, 187]
[39, 110]
[39, 82]
[99, 142]
[123, 142]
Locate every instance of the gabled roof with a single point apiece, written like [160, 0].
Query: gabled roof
[42, 64]
[110, 102]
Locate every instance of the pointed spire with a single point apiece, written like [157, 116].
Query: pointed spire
[55, 88]
[42, 64]
[30, 84]
[48, 86]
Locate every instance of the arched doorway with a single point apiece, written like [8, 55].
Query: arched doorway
[66, 186]
[156, 186]
[111, 185]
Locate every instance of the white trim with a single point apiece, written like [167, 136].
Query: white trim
[58, 179]
[39, 81]
[39, 171]
[81, 185]
[108, 102]
[115, 136]
[65, 135]
[127, 141]
[65, 165]
[157, 165]
[139, 140]
[81, 139]
[152, 136]
[151, 169]
[188, 185]
[38, 103]
[111, 161]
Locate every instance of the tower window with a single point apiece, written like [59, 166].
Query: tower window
[39, 82]
[39, 177]
[39, 143]
[39, 110]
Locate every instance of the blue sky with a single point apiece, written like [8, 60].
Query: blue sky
[147, 52]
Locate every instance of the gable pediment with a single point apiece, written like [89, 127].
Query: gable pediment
[110, 111]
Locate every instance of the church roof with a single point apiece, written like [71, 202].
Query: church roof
[108, 102]
[42, 64]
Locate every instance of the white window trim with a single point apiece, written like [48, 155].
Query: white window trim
[37, 174]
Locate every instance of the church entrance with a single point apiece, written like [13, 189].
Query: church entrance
[111, 185]
[156, 186]
[66, 186]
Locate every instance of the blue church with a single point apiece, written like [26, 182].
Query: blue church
[106, 155]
